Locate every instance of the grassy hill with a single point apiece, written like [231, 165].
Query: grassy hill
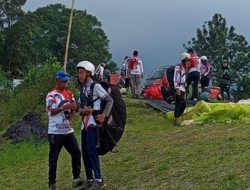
[152, 154]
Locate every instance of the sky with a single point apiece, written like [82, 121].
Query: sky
[156, 28]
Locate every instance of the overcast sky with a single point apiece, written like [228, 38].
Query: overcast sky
[156, 28]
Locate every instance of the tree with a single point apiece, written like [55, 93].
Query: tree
[10, 12]
[44, 33]
[218, 42]
[113, 67]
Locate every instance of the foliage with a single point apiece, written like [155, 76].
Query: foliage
[218, 42]
[44, 34]
[10, 12]
[113, 67]
[29, 95]
[152, 154]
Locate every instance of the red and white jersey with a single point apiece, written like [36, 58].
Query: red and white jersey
[206, 70]
[137, 68]
[58, 124]
[195, 63]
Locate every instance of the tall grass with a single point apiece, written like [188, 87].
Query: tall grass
[152, 154]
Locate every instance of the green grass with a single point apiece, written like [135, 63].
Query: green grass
[152, 154]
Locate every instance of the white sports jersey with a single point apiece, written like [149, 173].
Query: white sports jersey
[58, 124]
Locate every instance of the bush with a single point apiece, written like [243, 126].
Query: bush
[29, 95]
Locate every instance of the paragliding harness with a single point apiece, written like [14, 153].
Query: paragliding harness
[111, 130]
[168, 92]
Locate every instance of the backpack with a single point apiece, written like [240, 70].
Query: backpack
[168, 92]
[113, 127]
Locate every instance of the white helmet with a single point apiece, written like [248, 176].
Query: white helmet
[203, 58]
[87, 66]
[185, 56]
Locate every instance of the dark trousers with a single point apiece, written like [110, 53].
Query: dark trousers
[89, 153]
[56, 142]
[127, 83]
[225, 88]
[195, 78]
[204, 82]
[180, 105]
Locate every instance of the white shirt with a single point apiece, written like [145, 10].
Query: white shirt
[98, 92]
[180, 78]
[58, 124]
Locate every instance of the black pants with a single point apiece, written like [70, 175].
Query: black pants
[180, 105]
[225, 88]
[127, 80]
[204, 82]
[56, 142]
[195, 78]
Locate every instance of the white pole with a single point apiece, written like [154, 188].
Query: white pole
[68, 37]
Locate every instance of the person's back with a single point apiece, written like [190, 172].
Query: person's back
[136, 73]
[225, 75]
[194, 73]
[106, 75]
[225, 79]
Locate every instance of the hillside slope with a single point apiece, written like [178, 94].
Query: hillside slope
[152, 154]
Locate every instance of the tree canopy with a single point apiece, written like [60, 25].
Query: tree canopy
[37, 36]
[218, 42]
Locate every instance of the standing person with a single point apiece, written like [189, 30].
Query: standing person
[92, 117]
[180, 87]
[136, 74]
[124, 72]
[206, 71]
[60, 106]
[99, 72]
[193, 74]
[106, 74]
[225, 73]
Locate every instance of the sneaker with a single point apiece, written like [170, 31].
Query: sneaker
[99, 185]
[78, 182]
[87, 185]
[52, 186]
[177, 122]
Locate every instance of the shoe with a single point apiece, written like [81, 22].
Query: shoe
[52, 186]
[99, 185]
[177, 122]
[78, 182]
[87, 185]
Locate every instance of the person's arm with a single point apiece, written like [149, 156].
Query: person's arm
[141, 68]
[108, 100]
[177, 80]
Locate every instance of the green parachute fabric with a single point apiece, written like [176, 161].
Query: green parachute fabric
[204, 112]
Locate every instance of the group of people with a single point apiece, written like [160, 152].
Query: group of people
[61, 107]
[193, 69]
[132, 72]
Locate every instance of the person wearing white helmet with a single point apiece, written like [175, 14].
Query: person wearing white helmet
[180, 87]
[193, 74]
[205, 72]
[92, 117]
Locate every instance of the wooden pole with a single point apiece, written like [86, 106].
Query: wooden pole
[68, 37]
